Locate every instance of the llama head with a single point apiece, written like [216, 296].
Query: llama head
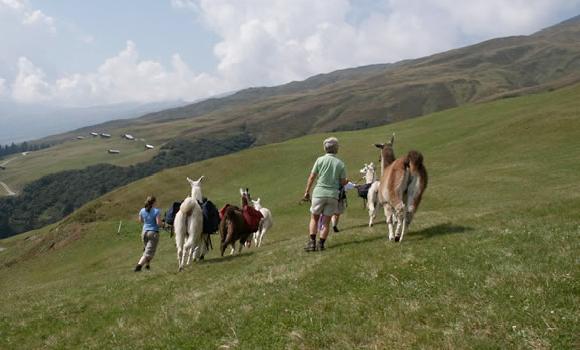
[364, 169]
[245, 194]
[257, 204]
[196, 188]
[387, 152]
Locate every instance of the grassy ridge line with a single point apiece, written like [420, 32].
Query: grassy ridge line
[489, 261]
[355, 98]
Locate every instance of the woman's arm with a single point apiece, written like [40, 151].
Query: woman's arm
[309, 184]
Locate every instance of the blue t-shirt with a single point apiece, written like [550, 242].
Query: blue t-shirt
[150, 219]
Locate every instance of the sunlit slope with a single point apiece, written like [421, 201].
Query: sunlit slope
[353, 98]
[74, 154]
[489, 262]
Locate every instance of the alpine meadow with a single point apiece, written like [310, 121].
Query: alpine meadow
[490, 261]
[186, 187]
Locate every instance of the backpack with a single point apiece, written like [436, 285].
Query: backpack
[211, 217]
[363, 190]
[170, 213]
[252, 217]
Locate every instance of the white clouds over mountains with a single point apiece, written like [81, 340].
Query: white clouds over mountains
[121, 78]
[266, 42]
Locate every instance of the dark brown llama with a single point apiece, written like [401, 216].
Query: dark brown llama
[237, 224]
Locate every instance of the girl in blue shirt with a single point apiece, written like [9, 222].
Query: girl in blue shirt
[149, 217]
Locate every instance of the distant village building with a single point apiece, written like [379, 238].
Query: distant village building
[105, 135]
[148, 146]
[94, 134]
[80, 137]
[129, 137]
[114, 151]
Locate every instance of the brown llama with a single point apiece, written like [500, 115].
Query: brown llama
[238, 224]
[401, 188]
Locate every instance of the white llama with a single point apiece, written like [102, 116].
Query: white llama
[188, 227]
[370, 176]
[265, 224]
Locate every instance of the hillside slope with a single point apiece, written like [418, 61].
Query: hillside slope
[490, 261]
[348, 99]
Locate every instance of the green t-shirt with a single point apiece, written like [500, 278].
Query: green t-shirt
[330, 171]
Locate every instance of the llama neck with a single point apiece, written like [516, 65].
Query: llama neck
[370, 176]
[387, 157]
[196, 194]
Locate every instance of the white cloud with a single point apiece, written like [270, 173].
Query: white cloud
[38, 18]
[268, 42]
[271, 42]
[124, 77]
[22, 10]
[30, 85]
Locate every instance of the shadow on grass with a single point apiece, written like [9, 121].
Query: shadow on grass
[225, 258]
[438, 230]
[361, 241]
[352, 227]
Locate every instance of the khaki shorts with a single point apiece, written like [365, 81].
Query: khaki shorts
[324, 205]
[150, 240]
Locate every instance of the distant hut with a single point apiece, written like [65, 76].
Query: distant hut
[80, 137]
[94, 134]
[114, 151]
[148, 146]
[105, 135]
[129, 137]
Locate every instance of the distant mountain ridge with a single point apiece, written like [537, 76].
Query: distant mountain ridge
[372, 95]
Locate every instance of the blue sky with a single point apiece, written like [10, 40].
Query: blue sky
[74, 53]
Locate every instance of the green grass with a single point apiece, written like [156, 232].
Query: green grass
[491, 260]
[73, 154]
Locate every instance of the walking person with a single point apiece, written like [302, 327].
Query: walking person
[329, 172]
[149, 217]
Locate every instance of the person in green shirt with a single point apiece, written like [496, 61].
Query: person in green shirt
[329, 172]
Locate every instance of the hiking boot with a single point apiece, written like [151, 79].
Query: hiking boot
[137, 268]
[321, 246]
[335, 228]
[310, 246]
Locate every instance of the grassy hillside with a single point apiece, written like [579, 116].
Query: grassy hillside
[349, 99]
[490, 261]
[75, 154]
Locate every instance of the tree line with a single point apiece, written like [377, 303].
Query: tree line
[21, 147]
[54, 196]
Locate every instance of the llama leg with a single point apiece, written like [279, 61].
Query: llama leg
[372, 213]
[262, 233]
[389, 216]
[400, 216]
[404, 228]
[242, 243]
[233, 248]
[179, 251]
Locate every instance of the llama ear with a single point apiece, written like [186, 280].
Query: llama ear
[392, 139]
[379, 145]
[190, 180]
[200, 179]
[372, 165]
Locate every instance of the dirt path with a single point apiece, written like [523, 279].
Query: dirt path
[3, 184]
[7, 189]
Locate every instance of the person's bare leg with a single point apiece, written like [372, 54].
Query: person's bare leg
[324, 232]
[313, 227]
[335, 219]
